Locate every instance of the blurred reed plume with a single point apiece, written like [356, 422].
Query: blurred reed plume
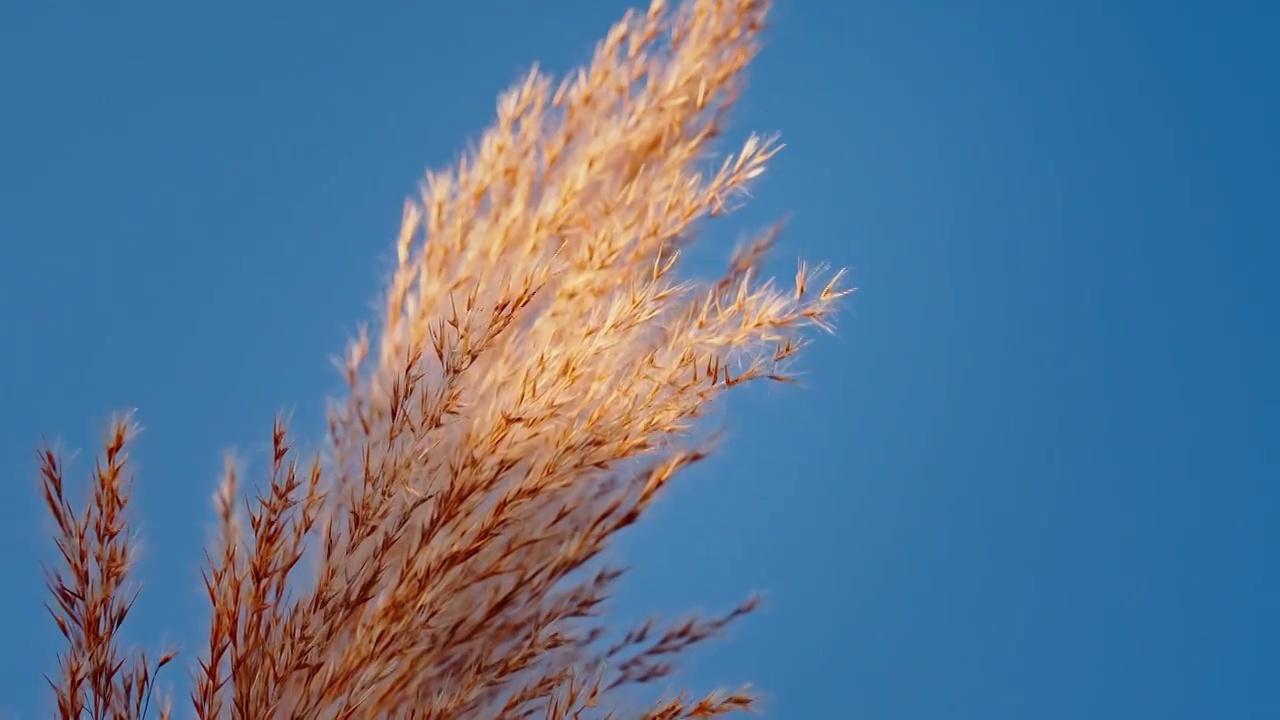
[529, 389]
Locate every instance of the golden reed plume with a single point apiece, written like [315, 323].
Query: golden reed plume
[528, 391]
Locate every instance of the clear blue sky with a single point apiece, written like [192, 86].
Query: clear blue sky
[1029, 479]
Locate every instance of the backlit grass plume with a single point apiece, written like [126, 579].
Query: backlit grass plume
[527, 392]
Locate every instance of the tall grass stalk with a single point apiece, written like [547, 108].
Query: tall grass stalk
[530, 387]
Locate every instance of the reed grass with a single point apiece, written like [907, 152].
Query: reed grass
[531, 386]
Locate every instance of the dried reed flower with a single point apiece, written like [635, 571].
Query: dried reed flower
[530, 389]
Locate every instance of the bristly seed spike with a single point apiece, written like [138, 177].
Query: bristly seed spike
[539, 375]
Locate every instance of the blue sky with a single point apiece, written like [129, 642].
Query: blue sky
[1029, 478]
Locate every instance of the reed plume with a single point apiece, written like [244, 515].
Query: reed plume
[532, 384]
